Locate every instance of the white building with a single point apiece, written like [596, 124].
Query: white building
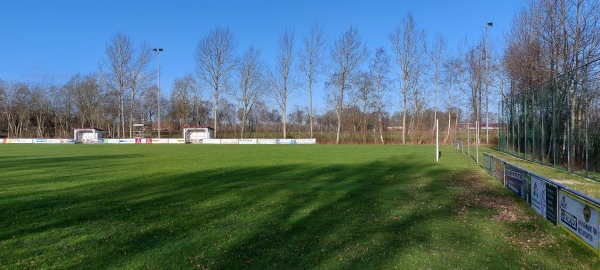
[198, 134]
[87, 135]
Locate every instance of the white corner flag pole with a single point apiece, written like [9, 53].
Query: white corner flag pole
[437, 140]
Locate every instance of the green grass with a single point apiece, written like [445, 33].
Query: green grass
[266, 207]
[588, 186]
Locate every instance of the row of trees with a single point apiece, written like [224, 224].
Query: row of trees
[549, 42]
[241, 93]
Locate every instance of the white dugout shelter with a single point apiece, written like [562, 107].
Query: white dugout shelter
[87, 135]
[197, 134]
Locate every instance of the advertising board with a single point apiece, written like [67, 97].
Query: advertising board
[229, 141]
[266, 141]
[544, 198]
[176, 141]
[514, 180]
[248, 141]
[487, 162]
[306, 141]
[498, 170]
[579, 218]
[285, 141]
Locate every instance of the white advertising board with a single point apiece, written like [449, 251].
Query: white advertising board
[229, 141]
[176, 141]
[39, 140]
[306, 141]
[126, 141]
[248, 141]
[266, 141]
[538, 195]
[579, 218]
[211, 141]
[111, 141]
[286, 141]
[25, 141]
[154, 140]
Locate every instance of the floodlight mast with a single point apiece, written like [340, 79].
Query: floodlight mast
[487, 85]
[158, 50]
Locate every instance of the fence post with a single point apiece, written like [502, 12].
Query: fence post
[468, 139]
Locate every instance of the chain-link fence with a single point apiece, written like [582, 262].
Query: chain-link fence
[556, 123]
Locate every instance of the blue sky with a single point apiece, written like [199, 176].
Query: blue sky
[53, 40]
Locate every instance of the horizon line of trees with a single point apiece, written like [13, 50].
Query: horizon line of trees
[367, 90]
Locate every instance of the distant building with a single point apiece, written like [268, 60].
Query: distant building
[87, 135]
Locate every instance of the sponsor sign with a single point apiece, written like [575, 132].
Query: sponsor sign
[514, 179]
[229, 141]
[248, 141]
[306, 141]
[25, 140]
[160, 140]
[127, 141]
[111, 141]
[266, 141]
[498, 170]
[286, 141]
[5, 141]
[487, 162]
[538, 194]
[579, 218]
[39, 141]
[211, 141]
[552, 203]
[176, 141]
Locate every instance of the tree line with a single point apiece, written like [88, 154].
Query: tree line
[390, 93]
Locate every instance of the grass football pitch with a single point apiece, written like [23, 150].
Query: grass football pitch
[266, 207]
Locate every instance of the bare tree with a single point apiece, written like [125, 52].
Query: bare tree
[380, 69]
[476, 68]
[282, 78]
[138, 78]
[251, 85]
[215, 60]
[310, 61]
[6, 107]
[408, 43]
[365, 91]
[452, 69]
[88, 98]
[347, 54]
[115, 70]
[436, 57]
[181, 108]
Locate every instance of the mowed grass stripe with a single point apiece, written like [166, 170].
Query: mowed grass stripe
[265, 206]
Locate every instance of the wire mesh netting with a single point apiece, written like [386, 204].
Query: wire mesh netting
[556, 123]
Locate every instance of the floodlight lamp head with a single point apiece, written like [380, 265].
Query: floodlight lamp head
[490, 24]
